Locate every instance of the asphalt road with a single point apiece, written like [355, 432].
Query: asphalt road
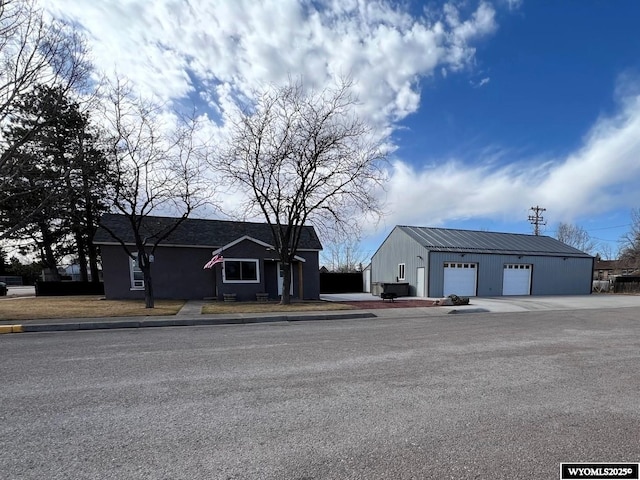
[499, 396]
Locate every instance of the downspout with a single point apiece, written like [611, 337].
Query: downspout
[593, 266]
[428, 274]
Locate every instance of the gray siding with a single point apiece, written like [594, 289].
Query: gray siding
[398, 248]
[557, 276]
[269, 273]
[311, 272]
[246, 291]
[178, 273]
[550, 275]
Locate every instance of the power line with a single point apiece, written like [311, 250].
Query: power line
[605, 239]
[610, 228]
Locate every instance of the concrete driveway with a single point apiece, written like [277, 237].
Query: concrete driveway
[516, 303]
[553, 302]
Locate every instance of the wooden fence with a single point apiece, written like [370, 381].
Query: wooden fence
[626, 285]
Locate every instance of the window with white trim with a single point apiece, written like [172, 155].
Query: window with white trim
[401, 271]
[135, 273]
[241, 270]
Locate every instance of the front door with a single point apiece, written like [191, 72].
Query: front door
[420, 282]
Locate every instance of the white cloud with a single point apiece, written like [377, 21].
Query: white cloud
[480, 83]
[600, 176]
[221, 50]
[514, 4]
[163, 45]
[171, 48]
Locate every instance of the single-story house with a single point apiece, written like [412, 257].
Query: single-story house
[603, 269]
[247, 262]
[436, 262]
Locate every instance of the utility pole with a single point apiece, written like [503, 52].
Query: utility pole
[537, 219]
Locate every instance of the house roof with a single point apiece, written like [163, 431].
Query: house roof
[196, 232]
[452, 240]
[613, 264]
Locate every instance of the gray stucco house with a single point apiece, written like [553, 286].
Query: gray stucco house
[436, 262]
[249, 264]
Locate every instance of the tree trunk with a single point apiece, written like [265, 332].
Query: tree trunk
[149, 301]
[286, 284]
[82, 254]
[76, 226]
[48, 257]
[90, 223]
[145, 266]
[93, 262]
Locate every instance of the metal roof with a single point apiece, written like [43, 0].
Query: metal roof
[196, 232]
[452, 240]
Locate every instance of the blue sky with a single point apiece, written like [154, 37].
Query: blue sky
[550, 71]
[492, 106]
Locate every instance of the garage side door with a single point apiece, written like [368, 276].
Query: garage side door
[516, 279]
[460, 279]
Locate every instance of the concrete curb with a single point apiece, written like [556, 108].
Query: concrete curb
[174, 322]
[11, 329]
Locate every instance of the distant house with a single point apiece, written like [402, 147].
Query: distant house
[436, 262]
[249, 263]
[72, 272]
[604, 269]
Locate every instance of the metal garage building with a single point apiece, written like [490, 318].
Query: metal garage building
[436, 262]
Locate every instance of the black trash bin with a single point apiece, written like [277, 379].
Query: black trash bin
[3, 289]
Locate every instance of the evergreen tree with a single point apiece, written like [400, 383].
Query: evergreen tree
[34, 49]
[3, 262]
[60, 179]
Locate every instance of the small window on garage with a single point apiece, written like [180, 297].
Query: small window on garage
[401, 271]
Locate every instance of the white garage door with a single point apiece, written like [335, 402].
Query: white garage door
[460, 279]
[516, 280]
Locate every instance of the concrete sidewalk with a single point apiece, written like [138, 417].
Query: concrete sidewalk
[190, 315]
[178, 320]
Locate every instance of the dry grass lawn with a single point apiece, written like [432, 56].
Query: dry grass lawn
[37, 308]
[272, 307]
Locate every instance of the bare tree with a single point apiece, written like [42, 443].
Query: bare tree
[630, 242]
[304, 156]
[33, 51]
[577, 237]
[605, 252]
[344, 257]
[158, 169]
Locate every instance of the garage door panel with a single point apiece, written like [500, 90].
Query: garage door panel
[516, 279]
[460, 279]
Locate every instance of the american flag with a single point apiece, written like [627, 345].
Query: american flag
[213, 261]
